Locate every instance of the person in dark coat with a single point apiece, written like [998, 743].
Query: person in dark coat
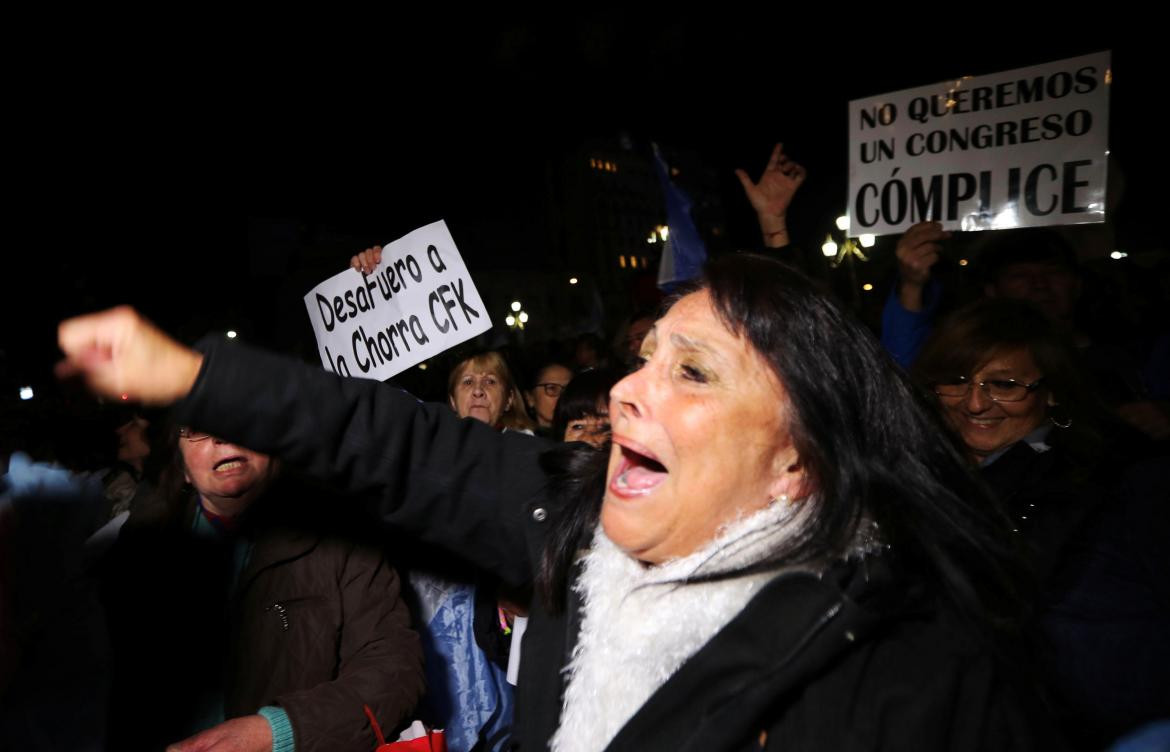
[782, 549]
[241, 613]
[1087, 503]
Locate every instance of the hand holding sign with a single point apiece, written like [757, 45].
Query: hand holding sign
[918, 251]
[365, 261]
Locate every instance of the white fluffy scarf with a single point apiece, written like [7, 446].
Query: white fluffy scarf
[640, 625]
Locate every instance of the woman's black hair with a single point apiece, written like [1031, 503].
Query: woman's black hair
[581, 398]
[874, 450]
[534, 375]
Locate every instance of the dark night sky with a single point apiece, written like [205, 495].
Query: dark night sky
[134, 175]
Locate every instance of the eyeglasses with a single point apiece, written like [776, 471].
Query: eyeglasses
[192, 436]
[997, 390]
[552, 389]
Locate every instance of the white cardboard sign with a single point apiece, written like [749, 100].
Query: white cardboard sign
[1022, 148]
[418, 302]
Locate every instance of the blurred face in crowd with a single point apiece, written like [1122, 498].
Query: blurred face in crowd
[228, 477]
[1051, 287]
[700, 437]
[133, 447]
[543, 396]
[480, 393]
[593, 428]
[637, 332]
[586, 355]
[986, 425]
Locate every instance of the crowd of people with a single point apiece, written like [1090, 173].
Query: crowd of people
[751, 523]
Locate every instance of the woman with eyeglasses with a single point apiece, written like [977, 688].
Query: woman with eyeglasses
[1010, 388]
[547, 385]
[1090, 517]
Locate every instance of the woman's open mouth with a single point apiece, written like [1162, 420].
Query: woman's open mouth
[981, 422]
[637, 473]
[229, 464]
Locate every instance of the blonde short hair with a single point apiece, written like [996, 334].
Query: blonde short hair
[514, 417]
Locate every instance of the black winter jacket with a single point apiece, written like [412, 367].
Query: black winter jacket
[856, 659]
[313, 623]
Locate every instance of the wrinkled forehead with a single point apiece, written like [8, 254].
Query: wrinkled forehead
[694, 318]
[479, 365]
[554, 372]
[1016, 362]
[476, 368]
[692, 325]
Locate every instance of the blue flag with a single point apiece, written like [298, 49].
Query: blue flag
[685, 253]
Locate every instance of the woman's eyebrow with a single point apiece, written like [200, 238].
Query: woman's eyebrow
[683, 342]
[1000, 373]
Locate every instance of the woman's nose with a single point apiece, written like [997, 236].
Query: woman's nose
[977, 399]
[624, 397]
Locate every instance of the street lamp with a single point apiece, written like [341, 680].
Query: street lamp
[848, 247]
[518, 320]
